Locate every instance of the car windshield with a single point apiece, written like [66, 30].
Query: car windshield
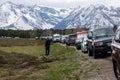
[72, 36]
[57, 37]
[105, 32]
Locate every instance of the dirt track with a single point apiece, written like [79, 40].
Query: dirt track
[106, 68]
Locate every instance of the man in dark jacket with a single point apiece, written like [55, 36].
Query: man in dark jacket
[47, 46]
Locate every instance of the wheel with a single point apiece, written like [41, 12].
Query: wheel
[95, 55]
[90, 52]
[77, 48]
[116, 70]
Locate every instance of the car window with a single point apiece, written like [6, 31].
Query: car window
[72, 36]
[99, 33]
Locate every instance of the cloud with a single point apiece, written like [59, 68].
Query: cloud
[62, 1]
[65, 3]
[75, 3]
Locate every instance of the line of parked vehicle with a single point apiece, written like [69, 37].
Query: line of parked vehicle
[96, 42]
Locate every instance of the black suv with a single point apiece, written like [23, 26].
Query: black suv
[99, 41]
[116, 54]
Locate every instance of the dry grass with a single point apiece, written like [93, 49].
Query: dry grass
[4, 42]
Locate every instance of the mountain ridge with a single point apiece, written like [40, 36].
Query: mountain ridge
[92, 16]
[38, 17]
[21, 17]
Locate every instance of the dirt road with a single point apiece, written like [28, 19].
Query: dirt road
[106, 68]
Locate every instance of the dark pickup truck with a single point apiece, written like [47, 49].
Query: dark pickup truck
[99, 41]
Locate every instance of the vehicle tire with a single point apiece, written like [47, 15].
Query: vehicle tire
[116, 70]
[95, 55]
[78, 48]
[90, 52]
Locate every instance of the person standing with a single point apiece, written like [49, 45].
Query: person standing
[47, 46]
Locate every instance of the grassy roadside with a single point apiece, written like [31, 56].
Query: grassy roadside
[29, 63]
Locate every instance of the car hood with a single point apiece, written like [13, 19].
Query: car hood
[104, 39]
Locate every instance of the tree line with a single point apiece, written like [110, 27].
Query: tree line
[37, 33]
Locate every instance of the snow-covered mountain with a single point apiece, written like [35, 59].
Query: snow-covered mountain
[92, 16]
[21, 17]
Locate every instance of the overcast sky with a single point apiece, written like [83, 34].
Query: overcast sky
[65, 3]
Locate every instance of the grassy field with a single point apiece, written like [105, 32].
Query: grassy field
[24, 59]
